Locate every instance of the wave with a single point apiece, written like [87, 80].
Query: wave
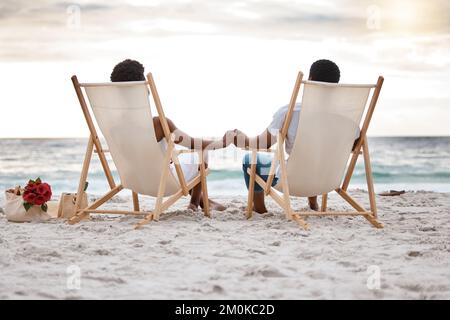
[402, 160]
[439, 175]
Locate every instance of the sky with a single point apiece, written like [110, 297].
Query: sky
[221, 65]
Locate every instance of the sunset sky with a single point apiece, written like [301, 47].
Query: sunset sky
[223, 64]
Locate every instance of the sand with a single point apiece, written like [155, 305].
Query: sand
[187, 256]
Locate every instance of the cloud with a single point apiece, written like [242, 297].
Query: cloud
[45, 29]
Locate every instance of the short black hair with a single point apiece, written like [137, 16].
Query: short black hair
[325, 71]
[128, 70]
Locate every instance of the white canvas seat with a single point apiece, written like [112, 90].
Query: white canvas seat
[122, 112]
[331, 119]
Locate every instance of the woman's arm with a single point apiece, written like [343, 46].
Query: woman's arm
[263, 141]
[189, 142]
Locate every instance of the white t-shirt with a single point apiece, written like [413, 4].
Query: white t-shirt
[189, 162]
[277, 123]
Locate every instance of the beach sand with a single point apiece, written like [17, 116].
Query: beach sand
[187, 256]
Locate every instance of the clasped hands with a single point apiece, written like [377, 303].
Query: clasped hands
[236, 137]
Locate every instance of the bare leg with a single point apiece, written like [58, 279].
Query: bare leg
[197, 200]
[196, 195]
[213, 205]
[258, 202]
[312, 201]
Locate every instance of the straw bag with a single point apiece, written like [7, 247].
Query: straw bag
[15, 211]
[67, 202]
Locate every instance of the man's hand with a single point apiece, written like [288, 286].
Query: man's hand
[241, 140]
[228, 138]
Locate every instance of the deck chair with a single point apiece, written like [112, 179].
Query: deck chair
[123, 114]
[324, 155]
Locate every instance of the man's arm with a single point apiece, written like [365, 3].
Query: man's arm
[263, 141]
[186, 140]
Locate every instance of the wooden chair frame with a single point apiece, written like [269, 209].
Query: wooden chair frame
[283, 200]
[94, 146]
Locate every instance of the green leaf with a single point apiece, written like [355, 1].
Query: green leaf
[44, 207]
[30, 181]
[27, 206]
[86, 185]
[38, 180]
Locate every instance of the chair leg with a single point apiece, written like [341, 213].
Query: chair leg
[204, 189]
[285, 187]
[164, 206]
[369, 178]
[82, 214]
[251, 186]
[359, 208]
[162, 182]
[146, 220]
[281, 202]
[324, 202]
[135, 201]
[302, 223]
[84, 173]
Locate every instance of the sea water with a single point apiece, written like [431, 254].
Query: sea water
[400, 163]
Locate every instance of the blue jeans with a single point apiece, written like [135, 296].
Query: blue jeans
[263, 163]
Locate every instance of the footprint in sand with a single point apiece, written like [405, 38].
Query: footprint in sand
[427, 229]
[102, 252]
[266, 272]
[276, 243]
[218, 289]
[257, 251]
[414, 254]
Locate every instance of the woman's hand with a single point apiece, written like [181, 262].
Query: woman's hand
[241, 140]
[228, 138]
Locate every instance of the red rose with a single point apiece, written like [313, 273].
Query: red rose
[41, 189]
[30, 187]
[30, 197]
[39, 200]
[36, 193]
[45, 190]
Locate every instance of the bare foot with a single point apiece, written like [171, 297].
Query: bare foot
[193, 207]
[258, 203]
[213, 205]
[260, 210]
[216, 206]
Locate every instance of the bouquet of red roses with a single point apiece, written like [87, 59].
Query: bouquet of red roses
[36, 193]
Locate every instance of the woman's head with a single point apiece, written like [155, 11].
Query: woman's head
[128, 70]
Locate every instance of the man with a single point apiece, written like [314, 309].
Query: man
[321, 70]
[131, 70]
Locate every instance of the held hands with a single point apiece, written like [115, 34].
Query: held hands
[228, 138]
[236, 137]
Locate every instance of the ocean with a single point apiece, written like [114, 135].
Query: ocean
[400, 163]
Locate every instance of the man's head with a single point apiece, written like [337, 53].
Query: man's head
[128, 70]
[324, 71]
